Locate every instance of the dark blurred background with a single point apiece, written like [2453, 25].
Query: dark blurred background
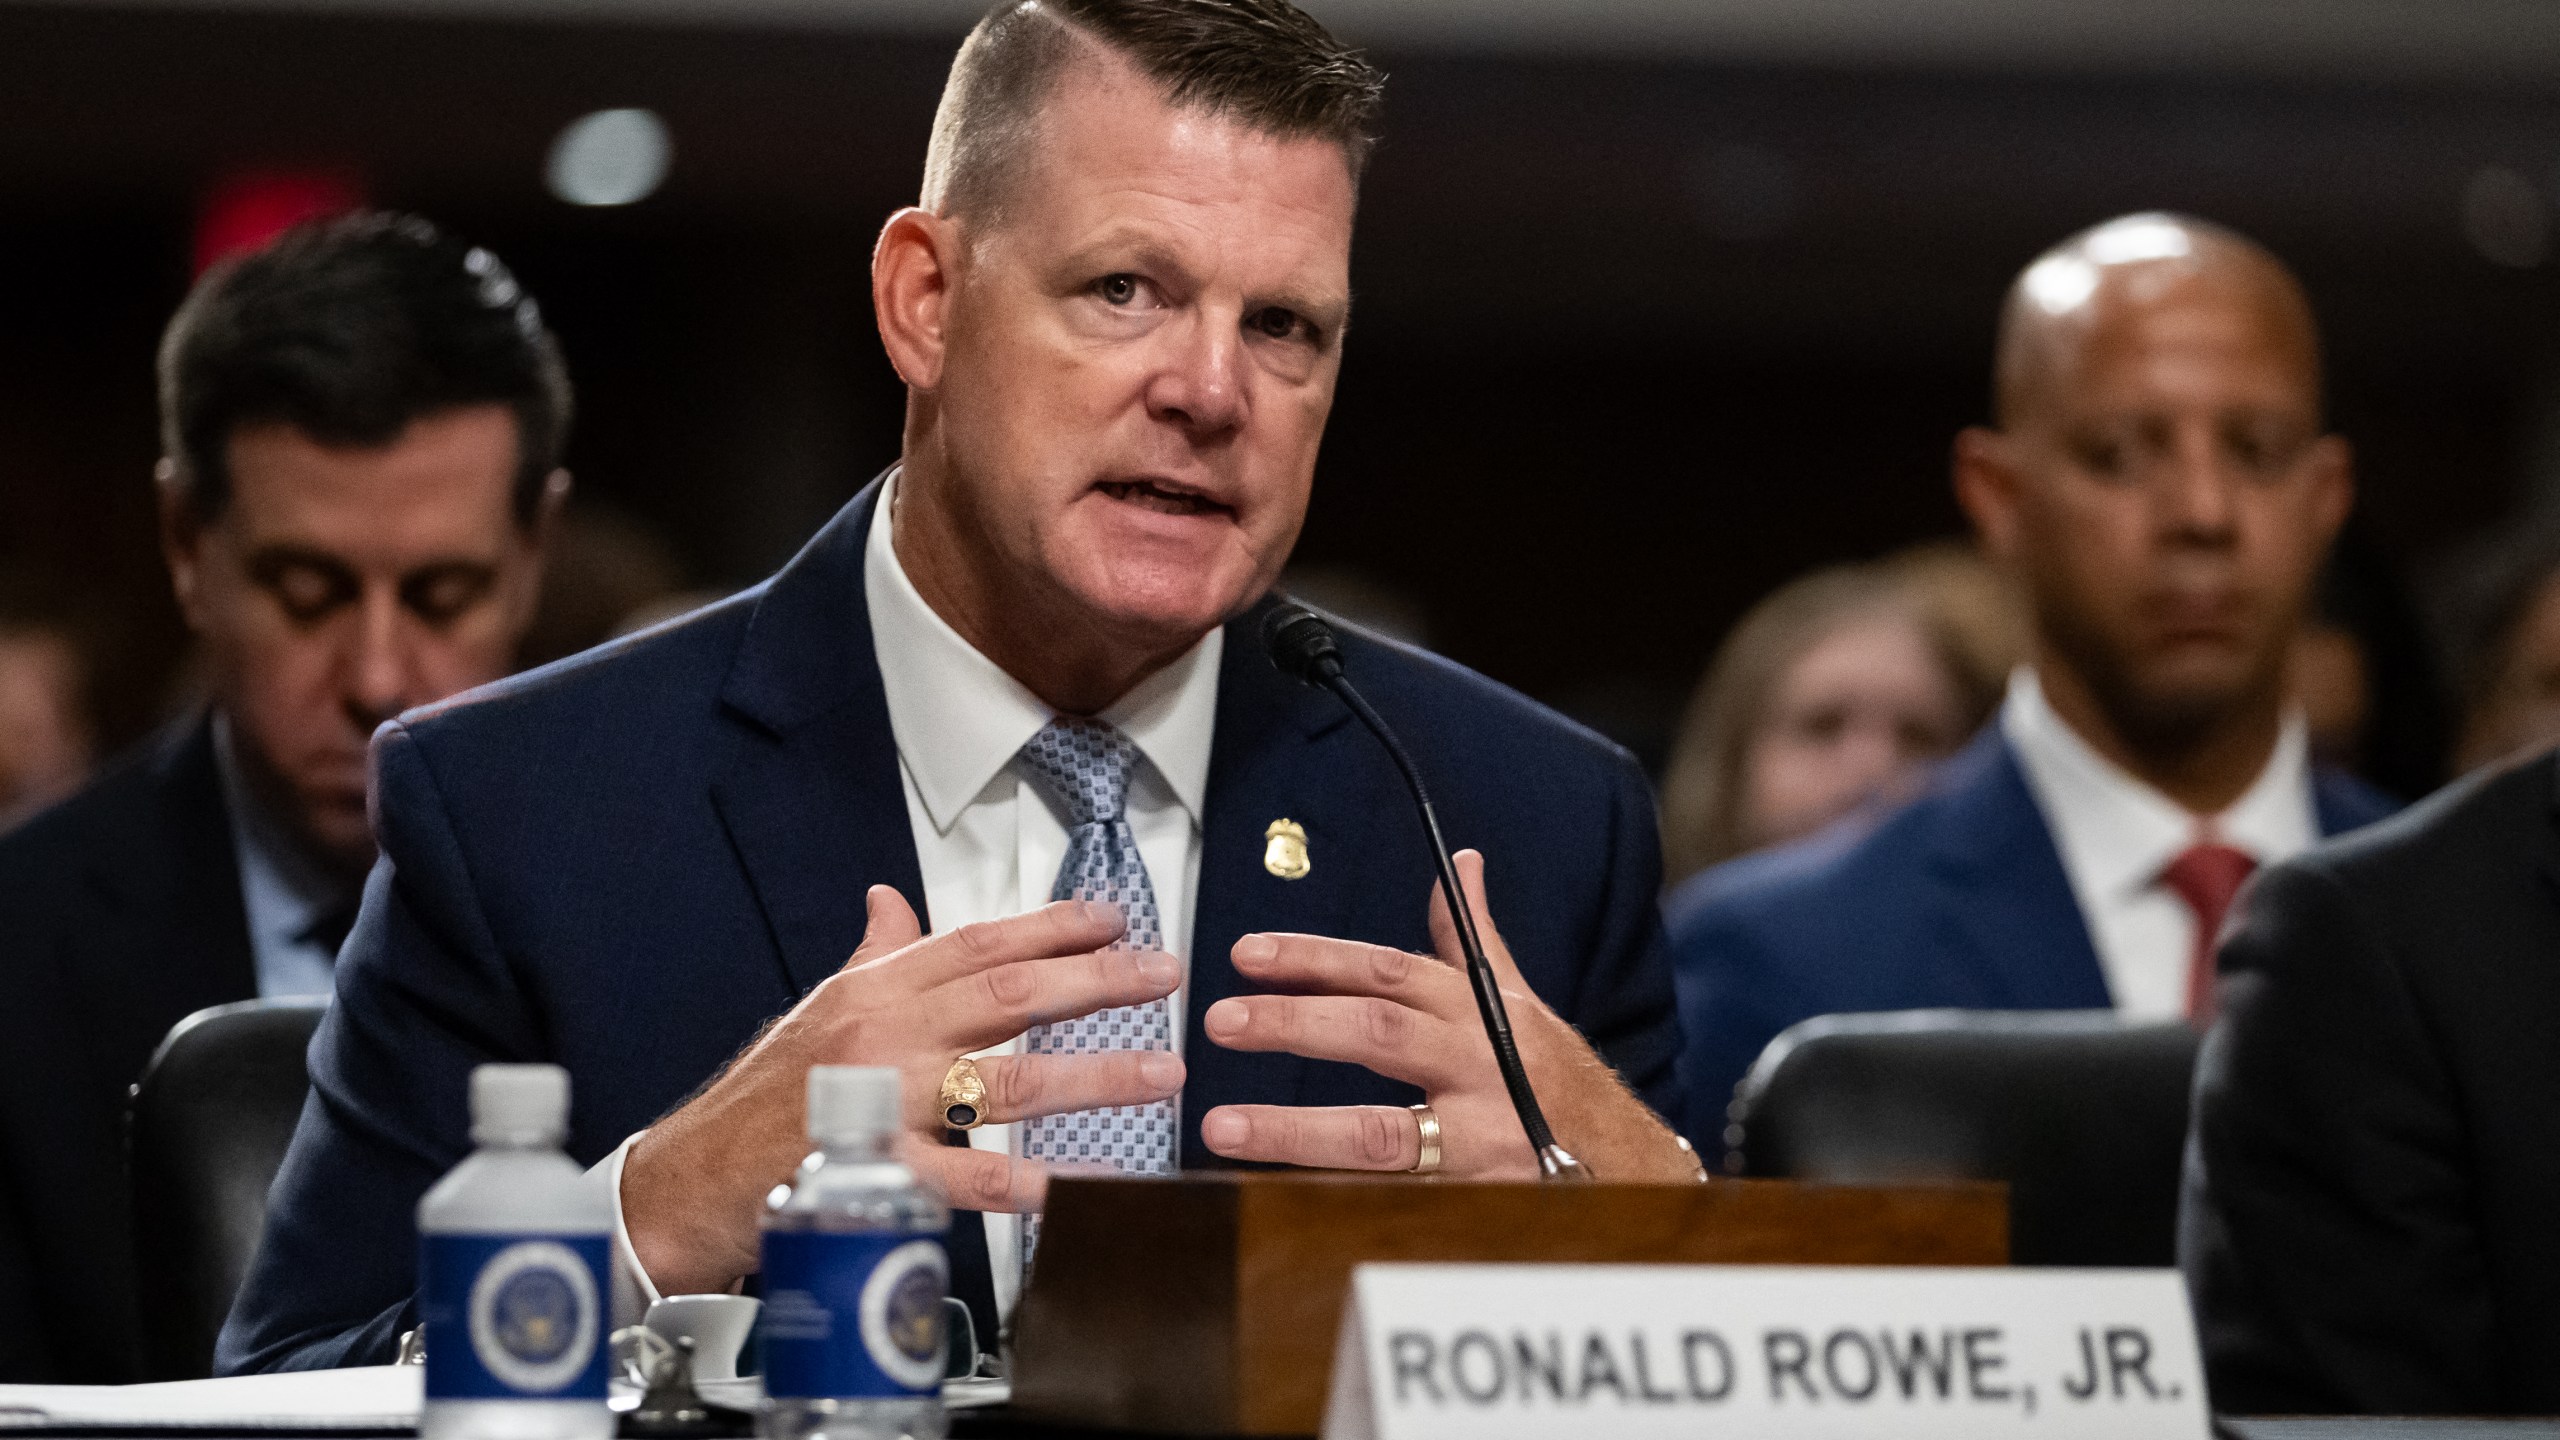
[1659, 305]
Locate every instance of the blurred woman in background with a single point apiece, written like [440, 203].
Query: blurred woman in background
[1837, 692]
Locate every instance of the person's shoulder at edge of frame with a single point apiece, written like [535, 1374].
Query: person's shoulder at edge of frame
[2418, 845]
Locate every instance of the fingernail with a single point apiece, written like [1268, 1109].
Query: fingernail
[1225, 1018]
[1255, 950]
[1161, 1069]
[1220, 1130]
[1103, 912]
[1159, 969]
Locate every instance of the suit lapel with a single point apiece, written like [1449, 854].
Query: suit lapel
[171, 935]
[2007, 922]
[209, 880]
[810, 793]
[1274, 757]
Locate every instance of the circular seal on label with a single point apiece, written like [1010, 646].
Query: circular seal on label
[533, 1316]
[902, 1313]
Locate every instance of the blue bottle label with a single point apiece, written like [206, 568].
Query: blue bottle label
[514, 1317]
[853, 1317]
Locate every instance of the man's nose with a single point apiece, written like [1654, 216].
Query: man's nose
[2198, 491]
[376, 682]
[1201, 384]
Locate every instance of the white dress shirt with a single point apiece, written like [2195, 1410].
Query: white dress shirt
[988, 840]
[2117, 834]
[283, 894]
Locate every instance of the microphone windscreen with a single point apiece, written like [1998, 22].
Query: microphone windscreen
[1301, 643]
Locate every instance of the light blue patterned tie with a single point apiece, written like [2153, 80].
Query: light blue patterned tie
[1084, 766]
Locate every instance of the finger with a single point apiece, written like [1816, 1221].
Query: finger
[1318, 964]
[1020, 1087]
[889, 926]
[1444, 932]
[1064, 927]
[969, 1179]
[989, 1007]
[1348, 1137]
[1395, 1040]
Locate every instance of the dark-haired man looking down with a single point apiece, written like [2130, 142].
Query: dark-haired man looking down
[361, 429]
[1020, 668]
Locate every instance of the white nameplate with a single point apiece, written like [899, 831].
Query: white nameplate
[1490, 1351]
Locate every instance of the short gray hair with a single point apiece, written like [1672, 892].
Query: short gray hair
[1265, 64]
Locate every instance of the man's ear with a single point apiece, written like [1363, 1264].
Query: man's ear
[1987, 483]
[181, 540]
[540, 532]
[556, 488]
[912, 271]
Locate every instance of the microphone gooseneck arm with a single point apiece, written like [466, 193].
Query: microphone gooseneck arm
[1301, 643]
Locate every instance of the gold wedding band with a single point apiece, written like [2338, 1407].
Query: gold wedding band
[1429, 1124]
[964, 1095]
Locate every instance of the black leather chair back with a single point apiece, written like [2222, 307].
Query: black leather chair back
[210, 1123]
[2082, 1114]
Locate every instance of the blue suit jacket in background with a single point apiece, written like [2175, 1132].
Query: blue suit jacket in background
[626, 863]
[1958, 900]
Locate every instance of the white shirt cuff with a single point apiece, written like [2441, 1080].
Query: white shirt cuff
[633, 1293]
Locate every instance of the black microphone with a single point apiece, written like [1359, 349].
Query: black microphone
[1301, 643]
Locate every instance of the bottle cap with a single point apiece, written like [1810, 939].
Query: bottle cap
[852, 1104]
[519, 1103]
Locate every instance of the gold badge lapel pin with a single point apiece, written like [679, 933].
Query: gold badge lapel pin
[1284, 850]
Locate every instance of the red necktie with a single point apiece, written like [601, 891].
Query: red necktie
[2206, 875]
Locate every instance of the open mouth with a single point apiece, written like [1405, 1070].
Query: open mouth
[1163, 497]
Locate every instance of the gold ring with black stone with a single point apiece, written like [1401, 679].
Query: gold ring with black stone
[964, 1095]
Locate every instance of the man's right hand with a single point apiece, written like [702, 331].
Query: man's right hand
[694, 1185]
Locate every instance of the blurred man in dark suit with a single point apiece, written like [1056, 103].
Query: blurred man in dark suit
[362, 428]
[2375, 1162]
[2160, 486]
[1022, 667]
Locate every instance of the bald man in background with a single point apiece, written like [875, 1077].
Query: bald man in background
[2160, 484]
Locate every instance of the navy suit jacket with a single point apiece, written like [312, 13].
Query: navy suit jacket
[1957, 900]
[120, 915]
[627, 862]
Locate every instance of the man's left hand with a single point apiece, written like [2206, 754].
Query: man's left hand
[1413, 1018]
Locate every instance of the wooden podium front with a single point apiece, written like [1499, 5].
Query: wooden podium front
[1208, 1304]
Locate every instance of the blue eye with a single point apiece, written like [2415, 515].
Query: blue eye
[1116, 289]
[1279, 324]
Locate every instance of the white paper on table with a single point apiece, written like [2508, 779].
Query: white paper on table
[377, 1397]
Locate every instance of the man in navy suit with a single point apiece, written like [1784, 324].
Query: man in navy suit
[1119, 312]
[363, 423]
[2161, 488]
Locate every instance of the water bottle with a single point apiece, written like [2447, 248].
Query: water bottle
[514, 1289]
[854, 1275]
